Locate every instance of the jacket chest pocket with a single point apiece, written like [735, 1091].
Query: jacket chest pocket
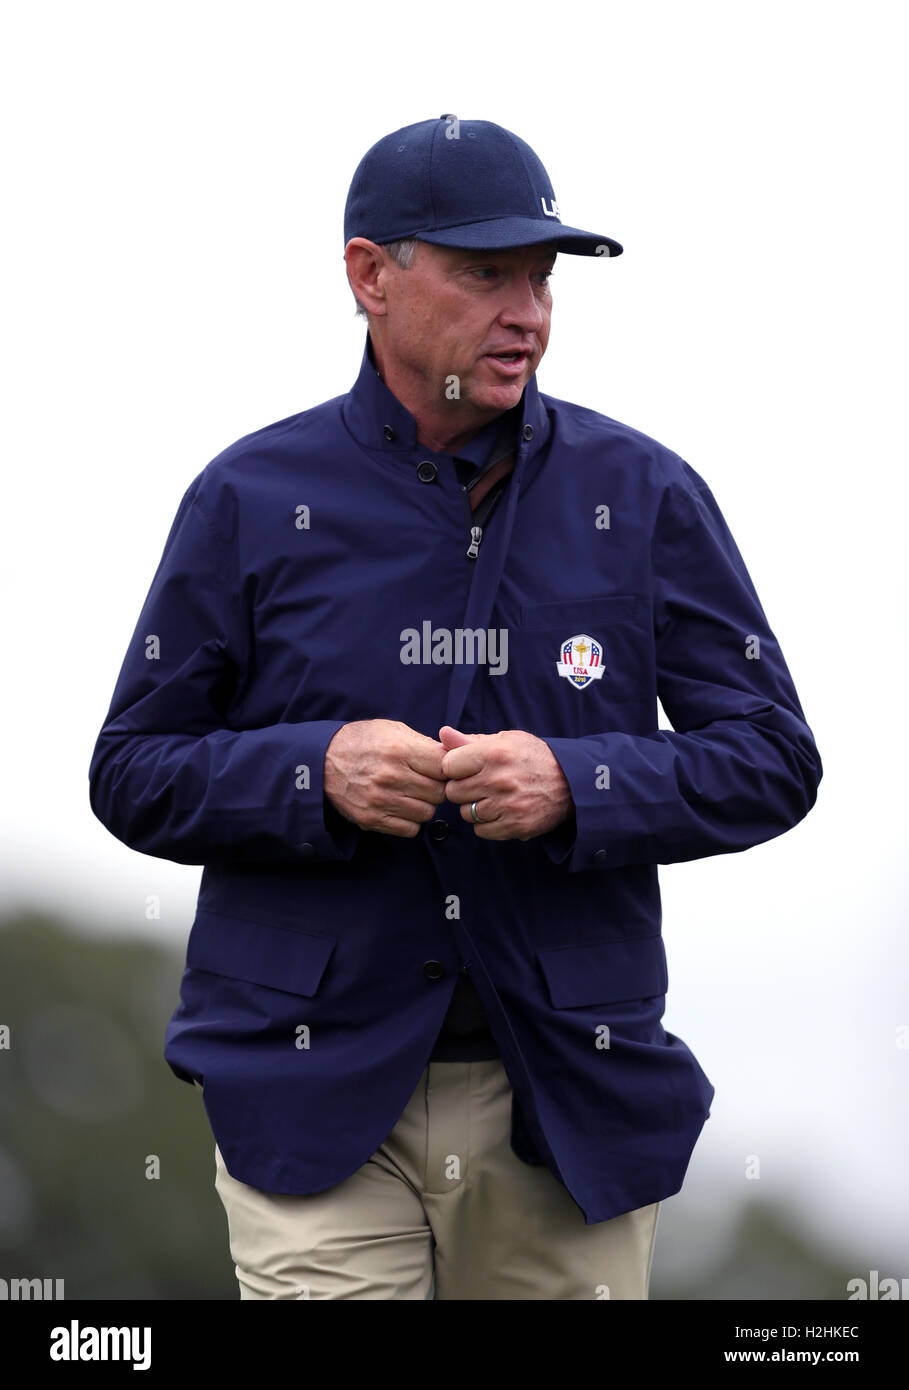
[578, 657]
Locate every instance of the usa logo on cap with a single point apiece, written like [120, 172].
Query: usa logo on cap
[581, 660]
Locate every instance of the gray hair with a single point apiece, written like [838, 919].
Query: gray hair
[402, 253]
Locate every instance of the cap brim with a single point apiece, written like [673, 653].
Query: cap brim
[499, 234]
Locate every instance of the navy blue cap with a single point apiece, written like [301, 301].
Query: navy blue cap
[459, 183]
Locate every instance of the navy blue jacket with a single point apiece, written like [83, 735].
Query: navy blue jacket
[305, 563]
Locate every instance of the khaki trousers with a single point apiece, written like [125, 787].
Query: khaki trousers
[443, 1209]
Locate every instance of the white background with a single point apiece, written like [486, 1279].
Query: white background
[175, 178]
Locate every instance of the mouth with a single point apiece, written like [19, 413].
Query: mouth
[509, 363]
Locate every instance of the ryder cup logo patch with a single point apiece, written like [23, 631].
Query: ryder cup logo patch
[581, 660]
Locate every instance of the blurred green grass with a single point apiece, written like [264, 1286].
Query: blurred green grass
[86, 1096]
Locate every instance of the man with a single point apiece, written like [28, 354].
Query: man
[395, 686]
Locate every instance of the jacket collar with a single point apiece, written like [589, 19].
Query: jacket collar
[378, 420]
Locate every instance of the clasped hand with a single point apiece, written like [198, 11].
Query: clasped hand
[384, 776]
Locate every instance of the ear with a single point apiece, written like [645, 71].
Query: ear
[365, 263]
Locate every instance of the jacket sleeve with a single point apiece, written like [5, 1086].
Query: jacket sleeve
[169, 776]
[741, 765]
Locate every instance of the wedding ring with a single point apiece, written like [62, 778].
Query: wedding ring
[473, 810]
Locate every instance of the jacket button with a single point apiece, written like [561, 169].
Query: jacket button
[527, 431]
[600, 857]
[388, 432]
[427, 471]
[308, 851]
[438, 829]
[433, 969]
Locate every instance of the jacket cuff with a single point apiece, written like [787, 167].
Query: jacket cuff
[324, 833]
[578, 843]
[559, 843]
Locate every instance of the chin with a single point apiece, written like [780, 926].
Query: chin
[500, 397]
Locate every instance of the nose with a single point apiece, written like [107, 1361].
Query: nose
[522, 307]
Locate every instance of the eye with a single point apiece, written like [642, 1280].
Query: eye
[487, 272]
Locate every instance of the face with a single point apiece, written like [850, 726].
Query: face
[480, 316]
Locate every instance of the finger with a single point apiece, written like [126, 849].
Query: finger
[403, 810]
[493, 824]
[424, 755]
[414, 784]
[463, 792]
[453, 738]
[485, 810]
[494, 830]
[404, 829]
[465, 761]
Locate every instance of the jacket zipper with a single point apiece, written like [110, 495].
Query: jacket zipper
[484, 511]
